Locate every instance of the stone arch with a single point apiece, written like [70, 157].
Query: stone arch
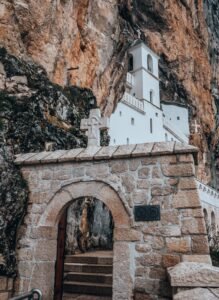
[75, 190]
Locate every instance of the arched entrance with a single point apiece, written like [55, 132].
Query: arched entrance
[48, 225]
[84, 250]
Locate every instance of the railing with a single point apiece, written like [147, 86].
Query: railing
[130, 79]
[34, 294]
[208, 194]
[175, 131]
[133, 102]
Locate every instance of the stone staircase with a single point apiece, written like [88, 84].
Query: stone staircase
[88, 274]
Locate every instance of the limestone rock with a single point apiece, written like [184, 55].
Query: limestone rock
[198, 294]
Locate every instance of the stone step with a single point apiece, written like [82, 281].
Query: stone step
[86, 259]
[87, 268]
[88, 288]
[89, 277]
[67, 296]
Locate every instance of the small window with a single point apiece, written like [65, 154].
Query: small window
[156, 114]
[166, 137]
[151, 126]
[127, 141]
[120, 113]
[150, 63]
[132, 121]
[114, 141]
[172, 139]
[130, 63]
[178, 118]
[151, 96]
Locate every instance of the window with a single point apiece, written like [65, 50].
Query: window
[132, 121]
[151, 126]
[166, 137]
[120, 113]
[178, 118]
[150, 63]
[151, 96]
[114, 141]
[171, 139]
[127, 141]
[156, 114]
[130, 63]
[205, 216]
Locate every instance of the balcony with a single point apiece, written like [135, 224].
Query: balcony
[133, 102]
[207, 194]
[130, 80]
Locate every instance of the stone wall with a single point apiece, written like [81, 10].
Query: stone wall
[122, 177]
[6, 286]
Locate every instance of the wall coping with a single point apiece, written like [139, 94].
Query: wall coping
[106, 153]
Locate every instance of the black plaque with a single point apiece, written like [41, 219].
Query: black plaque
[144, 213]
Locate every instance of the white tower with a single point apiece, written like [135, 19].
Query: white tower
[143, 65]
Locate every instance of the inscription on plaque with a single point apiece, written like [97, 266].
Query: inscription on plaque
[144, 213]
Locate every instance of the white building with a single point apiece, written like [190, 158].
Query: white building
[140, 117]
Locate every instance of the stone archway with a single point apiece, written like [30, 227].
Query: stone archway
[44, 237]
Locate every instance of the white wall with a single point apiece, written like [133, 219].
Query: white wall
[150, 83]
[121, 127]
[173, 112]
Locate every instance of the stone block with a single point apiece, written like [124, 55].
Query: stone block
[21, 158]
[128, 182]
[36, 159]
[105, 152]
[192, 212]
[190, 274]
[140, 197]
[25, 254]
[119, 166]
[198, 294]
[193, 226]
[170, 260]
[167, 159]
[197, 258]
[186, 199]
[70, 155]
[151, 259]
[144, 172]
[123, 151]
[45, 250]
[143, 184]
[158, 273]
[97, 170]
[156, 172]
[43, 232]
[161, 190]
[3, 283]
[142, 150]
[183, 170]
[170, 230]
[134, 164]
[187, 183]
[78, 172]
[88, 153]
[200, 244]
[4, 296]
[123, 234]
[162, 148]
[54, 156]
[187, 158]
[143, 296]
[170, 217]
[143, 248]
[179, 245]
[147, 161]
[185, 148]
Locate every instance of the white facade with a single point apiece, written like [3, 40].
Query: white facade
[140, 118]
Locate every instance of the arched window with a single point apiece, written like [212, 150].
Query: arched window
[132, 121]
[127, 141]
[151, 96]
[205, 216]
[150, 63]
[213, 224]
[166, 137]
[130, 63]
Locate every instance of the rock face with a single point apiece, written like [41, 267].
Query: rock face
[85, 43]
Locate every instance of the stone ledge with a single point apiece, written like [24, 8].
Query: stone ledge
[97, 153]
[190, 274]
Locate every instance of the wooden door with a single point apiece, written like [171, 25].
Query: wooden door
[59, 268]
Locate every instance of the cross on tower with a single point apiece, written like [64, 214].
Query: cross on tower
[93, 125]
[196, 127]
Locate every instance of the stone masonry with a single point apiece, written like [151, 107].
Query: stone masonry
[122, 177]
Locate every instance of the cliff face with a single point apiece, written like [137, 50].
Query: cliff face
[85, 43]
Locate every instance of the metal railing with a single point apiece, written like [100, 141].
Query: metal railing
[34, 294]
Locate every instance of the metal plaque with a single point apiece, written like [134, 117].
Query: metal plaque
[144, 213]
